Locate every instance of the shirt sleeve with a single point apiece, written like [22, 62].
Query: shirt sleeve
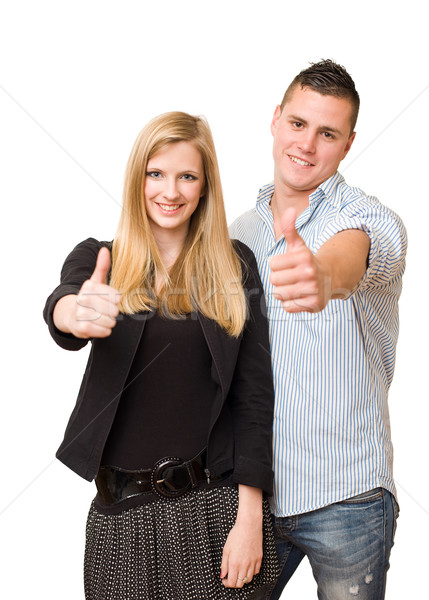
[387, 233]
[78, 267]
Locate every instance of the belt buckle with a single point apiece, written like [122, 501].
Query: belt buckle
[160, 484]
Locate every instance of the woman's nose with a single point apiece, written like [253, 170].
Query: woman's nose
[171, 190]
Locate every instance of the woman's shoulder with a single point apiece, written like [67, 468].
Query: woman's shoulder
[251, 276]
[91, 244]
[88, 249]
[243, 251]
[80, 262]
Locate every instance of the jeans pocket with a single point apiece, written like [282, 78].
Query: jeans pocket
[395, 507]
[369, 496]
[395, 517]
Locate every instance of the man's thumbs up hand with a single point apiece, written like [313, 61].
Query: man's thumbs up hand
[297, 277]
[287, 224]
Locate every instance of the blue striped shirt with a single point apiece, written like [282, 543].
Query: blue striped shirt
[332, 369]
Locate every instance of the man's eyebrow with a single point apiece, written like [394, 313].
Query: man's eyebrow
[330, 129]
[321, 128]
[296, 118]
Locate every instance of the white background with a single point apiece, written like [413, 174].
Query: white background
[78, 80]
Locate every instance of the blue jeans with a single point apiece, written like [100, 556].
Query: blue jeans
[348, 545]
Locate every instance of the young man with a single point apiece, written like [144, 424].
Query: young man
[331, 260]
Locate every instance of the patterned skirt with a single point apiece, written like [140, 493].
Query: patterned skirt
[169, 549]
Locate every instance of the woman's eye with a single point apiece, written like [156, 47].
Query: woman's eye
[153, 174]
[189, 177]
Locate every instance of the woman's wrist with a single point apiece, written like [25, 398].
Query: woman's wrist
[249, 504]
[62, 311]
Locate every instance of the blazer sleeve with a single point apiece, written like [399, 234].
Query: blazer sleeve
[251, 393]
[78, 267]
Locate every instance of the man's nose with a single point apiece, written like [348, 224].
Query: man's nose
[307, 141]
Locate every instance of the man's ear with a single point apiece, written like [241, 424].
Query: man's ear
[349, 144]
[276, 118]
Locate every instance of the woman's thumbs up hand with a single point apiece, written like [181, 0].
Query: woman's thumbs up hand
[92, 312]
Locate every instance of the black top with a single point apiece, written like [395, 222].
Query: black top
[240, 430]
[165, 407]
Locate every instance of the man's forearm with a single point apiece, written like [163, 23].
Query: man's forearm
[344, 260]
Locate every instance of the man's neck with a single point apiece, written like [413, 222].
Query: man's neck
[280, 202]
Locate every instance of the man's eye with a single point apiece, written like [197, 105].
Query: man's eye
[297, 124]
[328, 135]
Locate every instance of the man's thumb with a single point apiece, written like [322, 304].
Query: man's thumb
[102, 266]
[287, 224]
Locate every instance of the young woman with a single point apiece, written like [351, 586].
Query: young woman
[174, 414]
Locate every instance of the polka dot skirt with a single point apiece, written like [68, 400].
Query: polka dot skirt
[168, 549]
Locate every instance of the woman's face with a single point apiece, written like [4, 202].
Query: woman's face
[173, 187]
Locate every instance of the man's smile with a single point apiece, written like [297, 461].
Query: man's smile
[300, 161]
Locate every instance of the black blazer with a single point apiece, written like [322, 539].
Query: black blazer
[240, 432]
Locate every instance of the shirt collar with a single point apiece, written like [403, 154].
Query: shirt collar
[263, 207]
[326, 190]
[265, 193]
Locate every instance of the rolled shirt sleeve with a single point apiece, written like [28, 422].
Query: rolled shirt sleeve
[387, 234]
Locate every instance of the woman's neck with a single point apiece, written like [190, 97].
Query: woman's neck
[170, 244]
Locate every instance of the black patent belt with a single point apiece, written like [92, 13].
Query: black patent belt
[170, 477]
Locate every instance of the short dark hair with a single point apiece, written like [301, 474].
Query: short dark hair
[329, 79]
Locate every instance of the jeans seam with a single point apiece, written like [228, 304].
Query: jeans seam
[388, 536]
[285, 557]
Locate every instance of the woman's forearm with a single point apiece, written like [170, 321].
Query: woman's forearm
[249, 504]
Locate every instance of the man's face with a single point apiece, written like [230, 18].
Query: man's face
[311, 137]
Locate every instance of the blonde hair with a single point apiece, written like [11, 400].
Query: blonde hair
[207, 275]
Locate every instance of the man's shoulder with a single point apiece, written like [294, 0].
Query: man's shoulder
[338, 192]
[354, 200]
[248, 221]
[245, 217]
